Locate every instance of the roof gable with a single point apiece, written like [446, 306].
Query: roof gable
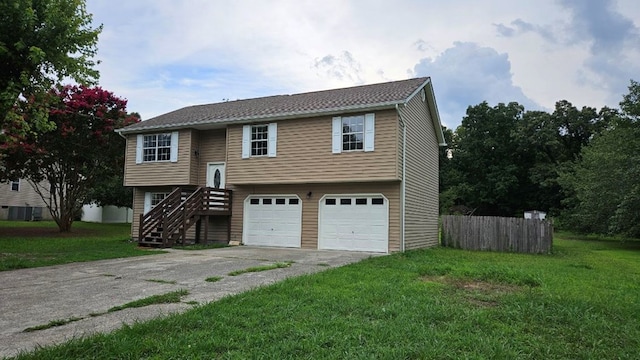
[358, 98]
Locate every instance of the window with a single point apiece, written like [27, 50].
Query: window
[156, 198]
[353, 133]
[267, 201]
[259, 140]
[377, 201]
[152, 199]
[330, 201]
[345, 201]
[15, 185]
[157, 147]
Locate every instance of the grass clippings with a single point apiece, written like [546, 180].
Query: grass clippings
[52, 323]
[278, 265]
[160, 281]
[168, 298]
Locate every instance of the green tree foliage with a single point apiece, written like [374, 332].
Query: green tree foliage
[507, 160]
[605, 181]
[41, 43]
[81, 154]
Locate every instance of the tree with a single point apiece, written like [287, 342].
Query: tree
[41, 43]
[487, 160]
[109, 190]
[66, 163]
[604, 180]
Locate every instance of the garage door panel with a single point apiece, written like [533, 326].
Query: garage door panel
[354, 222]
[272, 221]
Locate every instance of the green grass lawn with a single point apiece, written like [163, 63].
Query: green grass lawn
[33, 244]
[581, 302]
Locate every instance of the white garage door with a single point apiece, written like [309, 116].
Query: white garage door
[354, 222]
[271, 220]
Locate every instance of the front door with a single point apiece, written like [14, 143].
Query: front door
[215, 175]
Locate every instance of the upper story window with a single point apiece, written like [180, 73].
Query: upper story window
[15, 185]
[353, 133]
[259, 140]
[157, 147]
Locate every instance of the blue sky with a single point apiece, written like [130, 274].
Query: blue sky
[163, 55]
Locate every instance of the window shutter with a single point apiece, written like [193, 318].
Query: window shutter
[174, 146]
[273, 139]
[147, 202]
[369, 131]
[337, 135]
[139, 143]
[246, 141]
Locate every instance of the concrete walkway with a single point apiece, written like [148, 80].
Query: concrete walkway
[33, 297]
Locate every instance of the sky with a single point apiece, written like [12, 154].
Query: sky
[163, 55]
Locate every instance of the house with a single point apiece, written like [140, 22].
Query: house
[20, 201]
[349, 169]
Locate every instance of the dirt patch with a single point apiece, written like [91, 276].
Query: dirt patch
[478, 293]
[51, 232]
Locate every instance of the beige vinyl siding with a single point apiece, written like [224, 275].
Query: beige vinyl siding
[194, 160]
[304, 155]
[421, 177]
[160, 173]
[213, 148]
[26, 196]
[391, 190]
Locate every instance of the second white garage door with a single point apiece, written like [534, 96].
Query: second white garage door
[271, 220]
[354, 222]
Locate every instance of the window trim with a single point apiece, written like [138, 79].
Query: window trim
[14, 182]
[247, 141]
[262, 144]
[368, 134]
[148, 199]
[173, 145]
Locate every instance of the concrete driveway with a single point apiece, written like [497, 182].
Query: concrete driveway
[33, 297]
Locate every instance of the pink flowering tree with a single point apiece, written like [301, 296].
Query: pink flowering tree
[65, 165]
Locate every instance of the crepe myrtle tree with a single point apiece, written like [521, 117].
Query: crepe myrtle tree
[65, 164]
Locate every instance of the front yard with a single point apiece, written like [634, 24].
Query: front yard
[33, 244]
[583, 301]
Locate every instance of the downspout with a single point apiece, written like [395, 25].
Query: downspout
[402, 182]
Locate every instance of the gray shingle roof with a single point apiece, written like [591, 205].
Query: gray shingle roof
[283, 106]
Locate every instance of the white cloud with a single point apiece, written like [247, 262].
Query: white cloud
[468, 74]
[163, 54]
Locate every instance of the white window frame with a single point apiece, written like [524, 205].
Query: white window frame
[339, 133]
[15, 183]
[172, 146]
[248, 140]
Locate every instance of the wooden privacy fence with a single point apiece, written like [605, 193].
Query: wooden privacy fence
[497, 234]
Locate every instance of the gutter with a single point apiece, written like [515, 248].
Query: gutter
[402, 183]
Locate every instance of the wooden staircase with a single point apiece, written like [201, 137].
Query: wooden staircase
[167, 223]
